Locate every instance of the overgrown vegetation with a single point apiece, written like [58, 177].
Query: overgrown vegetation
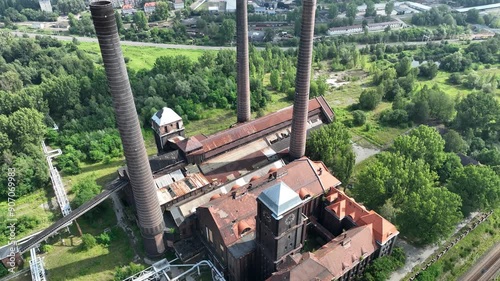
[382, 267]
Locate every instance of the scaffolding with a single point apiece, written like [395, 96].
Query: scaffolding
[158, 271]
[36, 267]
[57, 184]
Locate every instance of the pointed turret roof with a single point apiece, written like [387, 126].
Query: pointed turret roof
[280, 198]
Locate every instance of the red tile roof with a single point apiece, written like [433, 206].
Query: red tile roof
[345, 206]
[127, 7]
[333, 259]
[228, 212]
[150, 4]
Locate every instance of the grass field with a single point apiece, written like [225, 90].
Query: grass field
[69, 262]
[141, 57]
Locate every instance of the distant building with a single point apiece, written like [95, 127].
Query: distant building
[256, 36]
[230, 6]
[479, 8]
[213, 9]
[45, 6]
[178, 4]
[149, 7]
[355, 29]
[128, 10]
[264, 11]
[418, 6]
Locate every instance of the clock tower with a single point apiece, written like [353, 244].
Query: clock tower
[280, 228]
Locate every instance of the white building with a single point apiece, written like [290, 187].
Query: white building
[356, 29]
[128, 10]
[479, 8]
[231, 6]
[418, 6]
[178, 4]
[149, 7]
[45, 6]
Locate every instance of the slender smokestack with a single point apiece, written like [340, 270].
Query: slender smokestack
[243, 72]
[148, 208]
[302, 81]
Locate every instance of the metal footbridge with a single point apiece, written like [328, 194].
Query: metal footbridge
[114, 186]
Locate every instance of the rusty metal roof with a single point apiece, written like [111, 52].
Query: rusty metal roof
[268, 122]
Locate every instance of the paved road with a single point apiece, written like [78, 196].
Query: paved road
[487, 268]
[193, 47]
[131, 43]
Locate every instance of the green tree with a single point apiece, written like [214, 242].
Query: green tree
[422, 143]
[332, 145]
[429, 214]
[428, 69]
[370, 9]
[63, 95]
[26, 127]
[227, 31]
[333, 11]
[479, 187]
[351, 10]
[119, 22]
[85, 190]
[451, 164]
[389, 7]
[31, 172]
[489, 156]
[369, 99]
[454, 142]
[359, 118]
[403, 67]
[479, 113]
[10, 81]
[391, 176]
[274, 79]
[161, 12]
[268, 35]
[140, 20]
[441, 105]
[70, 6]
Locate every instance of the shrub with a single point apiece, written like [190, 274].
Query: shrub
[369, 99]
[46, 248]
[398, 117]
[88, 241]
[359, 117]
[126, 271]
[104, 239]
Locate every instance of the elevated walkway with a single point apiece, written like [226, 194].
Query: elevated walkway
[114, 186]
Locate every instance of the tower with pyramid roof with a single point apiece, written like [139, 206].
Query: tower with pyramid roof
[280, 227]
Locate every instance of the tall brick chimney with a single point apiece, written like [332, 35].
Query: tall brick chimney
[149, 214]
[243, 72]
[302, 81]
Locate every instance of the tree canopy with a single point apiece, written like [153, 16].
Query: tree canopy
[332, 145]
[478, 186]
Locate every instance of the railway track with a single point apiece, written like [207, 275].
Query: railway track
[487, 268]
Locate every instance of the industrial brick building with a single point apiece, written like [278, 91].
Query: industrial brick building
[260, 227]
